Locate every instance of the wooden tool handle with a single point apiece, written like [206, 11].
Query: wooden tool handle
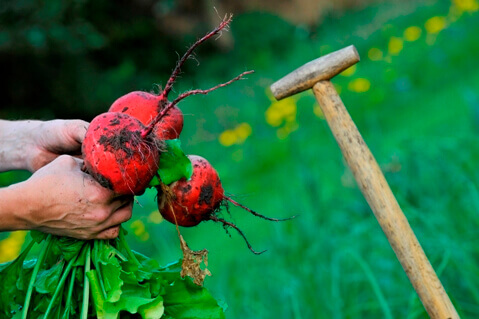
[376, 190]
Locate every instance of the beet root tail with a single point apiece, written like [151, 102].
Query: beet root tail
[227, 223]
[232, 201]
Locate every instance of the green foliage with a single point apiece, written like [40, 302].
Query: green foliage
[174, 164]
[120, 286]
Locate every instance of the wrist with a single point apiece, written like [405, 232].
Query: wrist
[14, 206]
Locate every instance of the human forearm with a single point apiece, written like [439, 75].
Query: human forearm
[17, 144]
[31, 145]
[12, 204]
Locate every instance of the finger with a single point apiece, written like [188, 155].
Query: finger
[121, 201]
[121, 215]
[76, 129]
[109, 233]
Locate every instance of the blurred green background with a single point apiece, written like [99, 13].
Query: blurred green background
[414, 97]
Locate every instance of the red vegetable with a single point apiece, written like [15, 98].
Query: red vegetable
[194, 200]
[116, 154]
[188, 202]
[145, 107]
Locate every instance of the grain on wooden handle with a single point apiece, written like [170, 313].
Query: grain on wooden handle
[376, 190]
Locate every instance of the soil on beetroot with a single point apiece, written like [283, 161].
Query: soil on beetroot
[126, 141]
[206, 195]
[103, 181]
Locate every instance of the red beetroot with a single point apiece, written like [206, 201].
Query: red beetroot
[188, 202]
[145, 107]
[117, 156]
[194, 200]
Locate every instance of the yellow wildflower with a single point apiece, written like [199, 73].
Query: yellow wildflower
[236, 136]
[243, 131]
[359, 85]
[227, 138]
[435, 24]
[155, 217]
[412, 33]
[374, 54]
[138, 227]
[280, 111]
[11, 246]
[395, 45]
[349, 71]
[466, 5]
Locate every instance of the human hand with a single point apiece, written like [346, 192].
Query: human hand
[54, 138]
[32, 144]
[62, 200]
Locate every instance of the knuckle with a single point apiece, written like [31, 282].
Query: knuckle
[99, 194]
[66, 160]
[100, 215]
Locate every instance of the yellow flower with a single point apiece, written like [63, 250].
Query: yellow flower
[395, 45]
[374, 54]
[227, 138]
[138, 227]
[435, 24]
[359, 85]
[243, 131]
[349, 71]
[412, 33]
[466, 5]
[11, 246]
[280, 111]
[155, 217]
[235, 136]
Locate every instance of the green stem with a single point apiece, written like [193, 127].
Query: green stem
[120, 255]
[97, 265]
[60, 285]
[86, 285]
[66, 314]
[127, 248]
[41, 258]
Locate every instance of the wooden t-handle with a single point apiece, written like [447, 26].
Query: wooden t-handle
[384, 205]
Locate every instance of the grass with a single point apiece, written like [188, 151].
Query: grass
[419, 115]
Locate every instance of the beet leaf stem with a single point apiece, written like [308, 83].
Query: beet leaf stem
[86, 285]
[40, 260]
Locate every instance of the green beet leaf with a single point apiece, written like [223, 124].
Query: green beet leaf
[47, 280]
[11, 298]
[185, 300]
[69, 247]
[174, 164]
[134, 299]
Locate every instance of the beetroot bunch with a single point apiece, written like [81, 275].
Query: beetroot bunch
[128, 147]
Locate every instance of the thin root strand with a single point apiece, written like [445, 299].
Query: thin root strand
[160, 115]
[199, 91]
[226, 223]
[232, 201]
[226, 21]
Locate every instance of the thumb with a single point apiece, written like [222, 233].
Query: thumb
[76, 129]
